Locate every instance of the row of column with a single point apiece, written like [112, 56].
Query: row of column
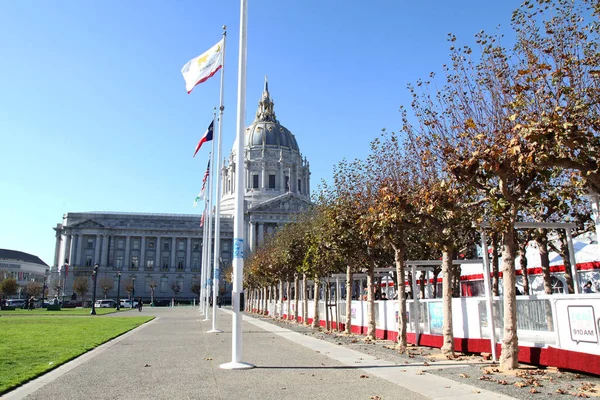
[293, 179]
[73, 249]
[252, 240]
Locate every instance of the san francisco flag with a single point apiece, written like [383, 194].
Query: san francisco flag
[199, 69]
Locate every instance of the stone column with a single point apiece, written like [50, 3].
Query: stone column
[263, 184]
[233, 178]
[57, 248]
[261, 232]
[293, 174]
[173, 262]
[281, 178]
[127, 261]
[104, 258]
[72, 245]
[157, 250]
[143, 253]
[97, 250]
[78, 239]
[251, 235]
[188, 254]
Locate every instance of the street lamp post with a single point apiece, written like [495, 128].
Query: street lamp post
[44, 287]
[132, 291]
[95, 278]
[119, 291]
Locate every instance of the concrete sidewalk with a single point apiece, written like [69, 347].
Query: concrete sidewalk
[174, 358]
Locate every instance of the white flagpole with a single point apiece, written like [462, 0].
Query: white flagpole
[202, 272]
[217, 252]
[205, 246]
[210, 227]
[238, 227]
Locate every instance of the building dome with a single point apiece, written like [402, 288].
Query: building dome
[270, 133]
[265, 130]
[273, 168]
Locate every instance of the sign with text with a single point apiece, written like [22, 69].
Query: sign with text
[582, 324]
[238, 248]
[436, 317]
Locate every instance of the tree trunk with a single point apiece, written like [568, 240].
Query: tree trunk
[399, 260]
[304, 300]
[495, 265]
[509, 359]
[280, 316]
[564, 253]
[542, 242]
[315, 322]
[523, 264]
[327, 309]
[296, 297]
[349, 287]
[371, 302]
[265, 308]
[448, 336]
[289, 300]
[422, 284]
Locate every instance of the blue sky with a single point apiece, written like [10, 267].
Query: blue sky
[94, 115]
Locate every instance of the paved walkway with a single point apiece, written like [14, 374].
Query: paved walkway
[173, 357]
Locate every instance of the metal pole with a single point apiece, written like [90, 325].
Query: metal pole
[204, 258]
[488, 291]
[132, 291]
[217, 252]
[413, 284]
[238, 230]
[119, 291]
[573, 261]
[209, 253]
[95, 276]
[596, 213]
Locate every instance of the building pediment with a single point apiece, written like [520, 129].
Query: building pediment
[90, 223]
[285, 203]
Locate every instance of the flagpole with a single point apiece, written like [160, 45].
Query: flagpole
[202, 274]
[238, 227]
[217, 252]
[205, 246]
[210, 227]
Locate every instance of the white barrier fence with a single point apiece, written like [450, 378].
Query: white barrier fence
[569, 322]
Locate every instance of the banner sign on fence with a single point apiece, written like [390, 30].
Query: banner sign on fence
[582, 324]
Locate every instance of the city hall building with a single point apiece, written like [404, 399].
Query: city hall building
[165, 250]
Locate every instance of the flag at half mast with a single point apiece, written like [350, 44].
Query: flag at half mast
[200, 68]
[201, 194]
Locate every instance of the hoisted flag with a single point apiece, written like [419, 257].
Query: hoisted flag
[200, 68]
[201, 194]
[202, 219]
[207, 137]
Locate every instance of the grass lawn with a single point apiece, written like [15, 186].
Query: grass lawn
[32, 346]
[63, 312]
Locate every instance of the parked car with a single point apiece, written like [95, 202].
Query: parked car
[17, 303]
[127, 303]
[105, 304]
[71, 304]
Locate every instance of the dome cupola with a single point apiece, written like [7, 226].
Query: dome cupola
[266, 130]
